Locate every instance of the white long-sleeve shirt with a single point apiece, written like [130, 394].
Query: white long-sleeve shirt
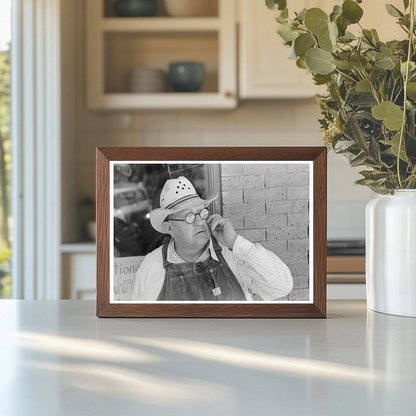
[259, 271]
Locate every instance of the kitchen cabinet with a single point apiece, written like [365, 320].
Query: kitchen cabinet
[265, 70]
[78, 271]
[118, 45]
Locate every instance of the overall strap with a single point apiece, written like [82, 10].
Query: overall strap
[165, 255]
[217, 247]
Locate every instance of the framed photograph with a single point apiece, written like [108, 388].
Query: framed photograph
[211, 232]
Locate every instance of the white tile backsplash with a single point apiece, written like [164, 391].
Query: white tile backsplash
[346, 219]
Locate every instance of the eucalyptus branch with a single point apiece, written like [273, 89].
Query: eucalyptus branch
[406, 79]
[383, 112]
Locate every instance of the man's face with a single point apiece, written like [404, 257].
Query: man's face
[194, 235]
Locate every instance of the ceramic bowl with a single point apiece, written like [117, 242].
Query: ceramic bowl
[186, 76]
[147, 80]
[135, 8]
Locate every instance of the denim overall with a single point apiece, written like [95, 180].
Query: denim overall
[209, 280]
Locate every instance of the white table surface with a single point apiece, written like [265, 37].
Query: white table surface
[57, 358]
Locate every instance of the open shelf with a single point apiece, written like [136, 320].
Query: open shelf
[80, 247]
[116, 46]
[127, 51]
[160, 24]
[166, 101]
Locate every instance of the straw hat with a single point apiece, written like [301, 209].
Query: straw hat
[177, 194]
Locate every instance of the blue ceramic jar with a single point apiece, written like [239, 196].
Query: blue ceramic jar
[186, 76]
[135, 8]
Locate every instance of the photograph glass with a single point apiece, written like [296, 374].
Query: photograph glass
[211, 232]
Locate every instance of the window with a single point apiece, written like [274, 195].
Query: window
[5, 158]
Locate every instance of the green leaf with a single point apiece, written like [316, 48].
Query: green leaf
[358, 160]
[351, 11]
[334, 91]
[374, 175]
[396, 70]
[347, 37]
[412, 67]
[353, 130]
[303, 43]
[374, 150]
[301, 63]
[301, 15]
[411, 90]
[319, 61]
[381, 89]
[377, 74]
[327, 40]
[371, 35]
[321, 79]
[333, 32]
[336, 12]
[343, 145]
[394, 143]
[361, 99]
[385, 63]
[276, 4]
[393, 11]
[363, 86]
[316, 20]
[364, 181]
[390, 113]
[324, 42]
[375, 35]
[358, 61]
[286, 32]
[368, 36]
[343, 65]
[342, 25]
[406, 4]
[283, 17]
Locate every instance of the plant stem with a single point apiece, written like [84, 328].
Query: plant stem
[345, 75]
[397, 95]
[406, 79]
[392, 90]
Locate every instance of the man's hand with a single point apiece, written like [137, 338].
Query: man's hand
[222, 230]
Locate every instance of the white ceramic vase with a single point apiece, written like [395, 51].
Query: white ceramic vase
[391, 253]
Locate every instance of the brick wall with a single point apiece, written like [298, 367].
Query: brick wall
[269, 204]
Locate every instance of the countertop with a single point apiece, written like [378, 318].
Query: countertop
[57, 358]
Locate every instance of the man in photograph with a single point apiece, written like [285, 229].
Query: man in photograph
[205, 260]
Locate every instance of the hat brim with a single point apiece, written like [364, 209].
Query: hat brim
[158, 215]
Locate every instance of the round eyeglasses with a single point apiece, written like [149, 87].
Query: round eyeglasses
[190, 218]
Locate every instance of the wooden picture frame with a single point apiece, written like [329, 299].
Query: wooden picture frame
[317, 159]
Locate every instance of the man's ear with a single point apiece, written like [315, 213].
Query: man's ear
[166, 227]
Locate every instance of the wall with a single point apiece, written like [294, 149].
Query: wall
[255, 123]
[269, 204]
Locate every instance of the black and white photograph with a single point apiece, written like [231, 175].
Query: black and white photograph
[211, 232]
